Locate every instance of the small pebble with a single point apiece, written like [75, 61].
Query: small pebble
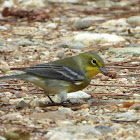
[23, 104]
[112, 74]
[135, 107]
[81, 24]
[104, 78]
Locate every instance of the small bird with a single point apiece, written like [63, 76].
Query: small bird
[65, 75]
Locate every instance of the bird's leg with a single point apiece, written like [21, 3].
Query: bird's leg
[50, 99]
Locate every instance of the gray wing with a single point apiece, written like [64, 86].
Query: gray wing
[55, 71]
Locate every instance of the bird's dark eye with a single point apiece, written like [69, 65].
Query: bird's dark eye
[94, 61]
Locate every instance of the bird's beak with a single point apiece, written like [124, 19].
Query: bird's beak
[104, 71]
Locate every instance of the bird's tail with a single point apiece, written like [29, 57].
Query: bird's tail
[20, 76]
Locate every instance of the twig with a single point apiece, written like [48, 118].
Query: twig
[20, 91]
[120, 67]
[13, 84]
[128, 75]
[109, 94]
[118, 85]
[124, 61]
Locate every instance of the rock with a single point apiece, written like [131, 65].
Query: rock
[105, 3]
[3, 48]
[127, 116]
[65, 1]
[65, 110]
[52, 115]
[25, 42]
[9, 40]
[122, 52]
[82, 136]
[78, 94]
[89, 39]
[104, 78]
[23, 104]
[52, 25]
[14, 134]
[138, 122]
[117, 23]
[135, 106]
[77, 45]
[59, 136]
[38, 102]
[34, 3]
[64, 122]
[64, 19]
[79, 101]
[5, 99]
[12, 116]
[8, 4]
[137, 30]
[116, 59]
[81, 24]
[134, 20]
[20, 95]
[104, 129]
[94, 18]
[25, 30]
[116, 126]
[3, 28]
[2, 43]
[71, 44]
[133, 45]
[123, 109]
[4, 68]
[91, 101]
[135, 63]
[2, 113]
[60, 53]
[130, 138]
[86, 129]
[2, 138]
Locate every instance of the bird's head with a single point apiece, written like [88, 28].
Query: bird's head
[93, 64]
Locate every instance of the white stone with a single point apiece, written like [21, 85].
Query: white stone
[52, 25]
[120, 22]
[7, 3]
[2, 138]
[3, 28]
[9, 39]
[134, 20]
[126, 50]
[96, 38]
[137, 29]
[127, 115]
[64, 122]
[12, 116]
[59, 136]
[65, 110]
[116, 59]
[94, 18]
[78, 94]
[86, 129]
[35, 3]
[65, 1]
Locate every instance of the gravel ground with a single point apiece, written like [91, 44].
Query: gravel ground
[38, 31]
